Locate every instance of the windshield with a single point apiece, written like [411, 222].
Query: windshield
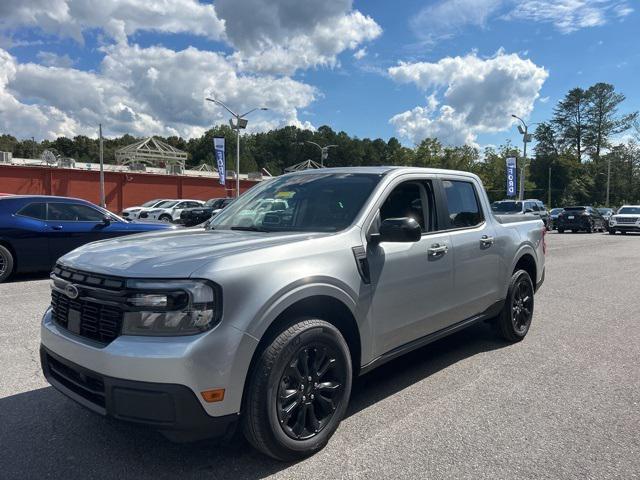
[150, 203]
[605, 210]
[506, 207]
[630, 210]
[556, 211]
[166, 204]
[309, 202]
[212, 201]
[575, 209]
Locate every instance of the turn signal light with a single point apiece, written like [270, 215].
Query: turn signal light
[211, 396]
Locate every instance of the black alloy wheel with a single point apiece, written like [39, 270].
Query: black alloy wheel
[522, 306]
[6, 263]
[311, 388]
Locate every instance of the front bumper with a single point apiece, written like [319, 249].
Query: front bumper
[173, 409]
[624, 227]
[216, 359]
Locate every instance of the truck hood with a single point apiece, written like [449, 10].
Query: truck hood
[172, 254]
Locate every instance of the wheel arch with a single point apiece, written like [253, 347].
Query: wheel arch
[9, 246]
[323, 306]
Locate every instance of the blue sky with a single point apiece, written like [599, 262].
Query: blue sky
[455, 69]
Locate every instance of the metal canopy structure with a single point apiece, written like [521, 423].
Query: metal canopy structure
[153, 152]
[306, 165]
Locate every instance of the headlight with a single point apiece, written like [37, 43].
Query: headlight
[171, 308]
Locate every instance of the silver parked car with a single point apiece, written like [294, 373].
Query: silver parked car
[264, 317]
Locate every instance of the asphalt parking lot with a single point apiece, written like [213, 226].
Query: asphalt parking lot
[565, 403]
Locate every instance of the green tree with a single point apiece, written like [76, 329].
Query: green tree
[570, 118]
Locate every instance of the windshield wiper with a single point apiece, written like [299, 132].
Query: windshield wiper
[250, 229]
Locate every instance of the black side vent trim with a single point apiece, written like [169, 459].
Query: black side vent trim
[360, 254]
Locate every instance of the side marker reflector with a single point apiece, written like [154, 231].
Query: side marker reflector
[211, 396]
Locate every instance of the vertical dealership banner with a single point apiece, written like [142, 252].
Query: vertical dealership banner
[218, 146]
[511, 177]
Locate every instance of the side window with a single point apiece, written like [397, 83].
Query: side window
[462, 202]
[34, 210]
[412, 199]
[73, 212]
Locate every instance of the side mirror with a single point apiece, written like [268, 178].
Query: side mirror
[403, 229]
[106, 220]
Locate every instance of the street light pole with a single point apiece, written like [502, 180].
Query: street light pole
[608, 178]
[549, 188]
[526, 138]
[102, 202]
[241, 122]
[324, 151]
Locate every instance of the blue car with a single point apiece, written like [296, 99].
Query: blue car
[36, 230]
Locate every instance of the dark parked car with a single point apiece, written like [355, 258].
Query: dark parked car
[195, 216]
[575, 219]
[36, 230]
[553, 217]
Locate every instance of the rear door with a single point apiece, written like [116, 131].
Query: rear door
[29, 241]
[476, 260]
[411, 282]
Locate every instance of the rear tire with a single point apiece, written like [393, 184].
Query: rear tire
[165, 218]
[515, 319]
[612, 232]
[561, 230]
[6, 263]
[298, 391]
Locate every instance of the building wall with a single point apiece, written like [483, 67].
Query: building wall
[122, 189]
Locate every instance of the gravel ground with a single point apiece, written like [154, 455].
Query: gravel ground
[565, 403]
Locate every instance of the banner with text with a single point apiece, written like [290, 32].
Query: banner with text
[511, 177]
[218, 146]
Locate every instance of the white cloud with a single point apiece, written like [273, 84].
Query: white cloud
[118, 18]
[282, 36]
[570, 15]
[51, 59]
[360, 53]
[144, 91]
[478, 95]
[447, 18]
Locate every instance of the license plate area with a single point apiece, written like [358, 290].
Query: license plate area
[571, 217]
[73, 321]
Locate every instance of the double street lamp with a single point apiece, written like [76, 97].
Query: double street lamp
[526, 138]
[241, 122]
[324, 151]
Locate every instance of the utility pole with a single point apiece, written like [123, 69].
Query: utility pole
[33, 140]
[241, 122]
[549, 188]
[608, 178]
[102, 200]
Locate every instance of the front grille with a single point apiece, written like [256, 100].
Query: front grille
[98, 319]
[626, 220]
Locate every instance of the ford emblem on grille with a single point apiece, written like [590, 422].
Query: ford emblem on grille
[71, 291]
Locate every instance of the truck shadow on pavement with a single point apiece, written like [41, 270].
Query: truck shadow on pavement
[44, 434]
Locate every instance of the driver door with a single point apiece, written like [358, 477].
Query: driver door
[411, 282]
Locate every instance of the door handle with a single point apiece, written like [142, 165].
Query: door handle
[487, 241]
[56, 227]
[437, 249]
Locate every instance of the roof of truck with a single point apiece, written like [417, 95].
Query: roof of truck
[382, 170]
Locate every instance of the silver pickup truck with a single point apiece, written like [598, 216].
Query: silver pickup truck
[263, 317]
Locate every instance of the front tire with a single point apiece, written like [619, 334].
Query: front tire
[6, 263]
[515, 319]
[561, 230]
[298, 391]
[165, 218]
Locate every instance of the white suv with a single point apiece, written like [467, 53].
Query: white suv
[132, 213]
[170, 211]
[626, 220]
